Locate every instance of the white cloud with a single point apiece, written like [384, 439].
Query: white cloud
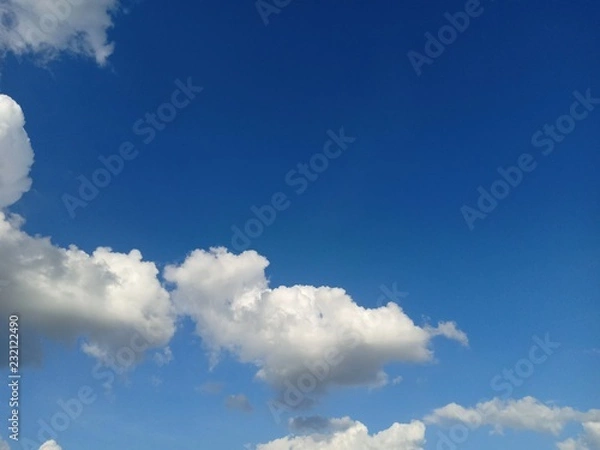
[50, 445]
[65, 293]
[287, 329]
[449, 330]
[3, 444]
[46, 28]
[524, 414]
[346, 434]
[16, 154]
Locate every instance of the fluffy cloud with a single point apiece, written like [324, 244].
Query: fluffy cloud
[50, 445]
[3, 445]
[285, 330]
[239, 402]
[16, 154]
[346, 434]
[47, 27]
[589, 440]
[524, 414]
[65, 293]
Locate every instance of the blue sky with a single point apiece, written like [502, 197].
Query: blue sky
[396, 209]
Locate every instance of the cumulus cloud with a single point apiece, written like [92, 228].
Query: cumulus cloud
[65, 293]
[3, 444]
[527, 413]
[238, 402]
[46, 28]
[286, 330]
[346, 434]
[16, 154]
[50, 445]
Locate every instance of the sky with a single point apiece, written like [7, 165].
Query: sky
[299, 225]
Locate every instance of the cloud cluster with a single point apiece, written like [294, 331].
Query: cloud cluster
[285, 330]
[64, 293]
[16, 154]
[527, 413]
[45, 28]
[347, 434]
[106, 297]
